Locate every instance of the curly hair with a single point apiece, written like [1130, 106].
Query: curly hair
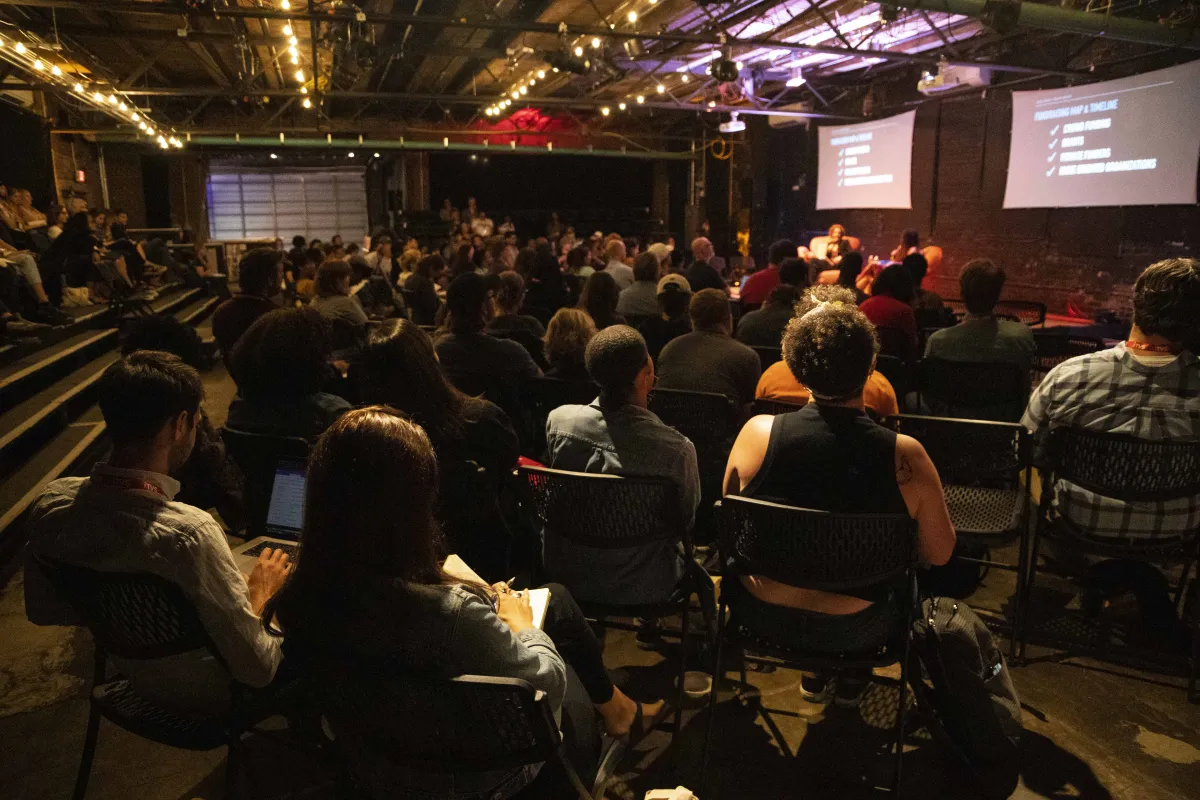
[1166, 300]
[567, 337]
[831, 349]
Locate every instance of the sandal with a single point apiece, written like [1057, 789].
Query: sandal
[638, 730]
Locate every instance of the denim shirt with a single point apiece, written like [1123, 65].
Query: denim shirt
[624, 441]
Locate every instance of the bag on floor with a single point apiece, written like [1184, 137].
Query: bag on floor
[969, 693]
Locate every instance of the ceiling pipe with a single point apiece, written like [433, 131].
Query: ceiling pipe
[516, 26]
[1065, 20]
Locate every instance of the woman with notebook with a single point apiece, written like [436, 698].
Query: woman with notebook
[369, 596]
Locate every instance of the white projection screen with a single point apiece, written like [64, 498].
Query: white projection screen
[867, 165]
[1128, 142]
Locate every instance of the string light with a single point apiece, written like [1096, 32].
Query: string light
[99, 98]
[293, 41]
[631, 16]
[660, 88]
[595, 42]
[38, 65]
[287, 29]
[622, 105]
[541, 73]
[20, 47]
[121, 105]
[303, 90]
[112, 99]
[56, 71]
[306, 103]
[300, 75]
[524, 90]
[606, 111]
[285, 4]
[274, 156]
[641, 99]
[78, 88]
[685, 77]
[350, 154]
[377, 155]
[578, 51]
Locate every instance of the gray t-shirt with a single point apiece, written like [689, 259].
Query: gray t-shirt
[639, 300]
[985, 339]
[703, 361]
[340, 306]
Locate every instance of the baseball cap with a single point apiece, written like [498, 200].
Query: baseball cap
[674, 283]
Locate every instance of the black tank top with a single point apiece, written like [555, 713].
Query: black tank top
[830, 458]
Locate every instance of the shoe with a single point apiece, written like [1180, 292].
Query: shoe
[816, 689]
[52, 316]
[849, 692]
[22, 328]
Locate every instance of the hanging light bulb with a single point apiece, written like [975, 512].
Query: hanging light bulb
[541, 73]
[287, 29]
[133, 117]
[293, 41]
[350, 154]
[273, 156]
[515, 95]
[622, 105]
[38, 65]
[641, 99]
[79, 88]
[300, 75]
[121, 105]
[606, 111]
[631, 16]
[524, 90]
[112, 99]
[660, 88]
[56, 71]
[143, 125]
[285, 4]
[99, 98]
[20, 47]
[596, 42]
[292, 50]
[532, 82]
[578, 51]
[306, 103]
[295, 60]
[303, 90]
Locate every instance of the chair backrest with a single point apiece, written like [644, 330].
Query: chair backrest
[459, 726]
[900, 374]
[764, 406]
[815, 549]
[707, 418]
[1031, 313]
[895, 342]
[967, 387]
[257, 455]
[136, 616]
[1124, 467]
[607, 511]
[970, 452]
[768, 355]
[472, 520]
[1055, 348]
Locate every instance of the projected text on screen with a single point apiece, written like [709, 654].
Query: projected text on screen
[868, 165]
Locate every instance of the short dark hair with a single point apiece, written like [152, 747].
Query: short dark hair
[709, 309]
[144, 391]
[164, 333]
[330, 276]
[793, 272]
[917, 266]
[299, 241]
[784, 248]
[981, 282]
[258, 269]
[465, 300]
[911, 238]
[645, 267]
[830, 350]
[1166, 300]
[283, 354]
[314, 255]
[430, 265]
[614, 358]
[894, 282]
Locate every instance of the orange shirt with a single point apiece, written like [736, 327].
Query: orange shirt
[778, 383]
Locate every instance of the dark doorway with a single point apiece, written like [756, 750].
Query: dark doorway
[156, 186]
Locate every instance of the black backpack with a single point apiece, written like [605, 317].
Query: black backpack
[968, 694]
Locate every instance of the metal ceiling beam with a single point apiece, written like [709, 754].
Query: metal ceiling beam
[447, 99]
[551, 29]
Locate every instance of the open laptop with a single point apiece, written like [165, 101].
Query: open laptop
[285, 516]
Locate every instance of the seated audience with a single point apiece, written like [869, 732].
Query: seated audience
[837, 247]
[616, 434]
[60, 214]
[295, 256]
[778, 382]
[709, 359]
[640, 299]
[24, 264]
[125, 518]
[13, 326]
[981, 336]
[510, 299]
[260, 277]
[672, 320]
[931, 312]
[757, 288]
[473, 361]
[407, 267]
[910, 243]
[280, 367]
[701, 274]
[764, 327]
[599, 299]
[306, 279]
[615, 253]
[848, 274]
[567, 338]
[889, 308]
[421, 289]
[546, 291]
[369, 594]
[333, 300]
[1144, 387]
[830, 456]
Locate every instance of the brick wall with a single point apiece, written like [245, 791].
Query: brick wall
[123, 165]
[960, 162]
[73, 153]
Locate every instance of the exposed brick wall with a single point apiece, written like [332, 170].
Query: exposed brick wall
[123, 165]
[72, 153]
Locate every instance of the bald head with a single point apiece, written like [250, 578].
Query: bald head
[702, 249]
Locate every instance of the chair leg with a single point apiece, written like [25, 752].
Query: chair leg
[718, 674]
[900, 714]
[1027, 589]
[89, 752]
[681, 696]
[573, 776]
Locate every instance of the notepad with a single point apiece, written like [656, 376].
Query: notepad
[539, 599]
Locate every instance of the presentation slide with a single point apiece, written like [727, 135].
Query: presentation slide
[1129, 142]
[868, 165]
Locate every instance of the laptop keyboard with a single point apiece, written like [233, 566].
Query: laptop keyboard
[290, 549]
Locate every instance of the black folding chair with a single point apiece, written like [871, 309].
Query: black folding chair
[765, 406]
[896, 343]
[1130, 470]
[986, 470]
[974, 389]
[472, 520]
[137, 617]
[257, 455]
[900, 374]
[768, 355]
[824, 552]
[614, 512]
[1031, 313]
[1053, 348]
[473, 726]
[543, 395]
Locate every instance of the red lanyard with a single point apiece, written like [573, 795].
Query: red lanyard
[1145, 347]
[127, 484]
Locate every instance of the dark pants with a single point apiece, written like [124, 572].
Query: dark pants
[577, 643]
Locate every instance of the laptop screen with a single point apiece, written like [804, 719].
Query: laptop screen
[285, 515]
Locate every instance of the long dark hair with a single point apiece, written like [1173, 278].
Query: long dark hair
[368, 516]
[599, 298]
[401, 369]
[462, 261]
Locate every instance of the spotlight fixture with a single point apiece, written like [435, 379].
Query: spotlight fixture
[633, 48]
[734, 125]
[795, 77]
[724, 70]
[606, 111]
[563, 60]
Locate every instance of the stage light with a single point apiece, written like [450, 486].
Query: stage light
[631, 16]
[660, 88]
[306, 103]
[606, 111]
[287, 29]
[641, 99]
[578, 51]
[795, 77]
[596, 43]
[300, 75]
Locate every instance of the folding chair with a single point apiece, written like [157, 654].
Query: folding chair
[543, 395]
[614, 512]
[1127, 469]
[1054, 348]
[257, 455]
[900, 374]
[768, 355]
[986, 472]
[137, 616]
[473, 726]
[974, 389]
[820, 551]
[765, 406]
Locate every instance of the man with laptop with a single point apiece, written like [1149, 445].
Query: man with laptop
[123, 519]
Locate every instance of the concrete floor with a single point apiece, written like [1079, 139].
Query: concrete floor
[1092, 730]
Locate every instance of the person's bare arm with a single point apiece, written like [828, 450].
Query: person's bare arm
[922, 489]
[746, 457]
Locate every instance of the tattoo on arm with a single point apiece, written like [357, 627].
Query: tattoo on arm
[904, 472]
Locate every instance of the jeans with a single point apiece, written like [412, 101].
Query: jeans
[575, 641]
[26, 266]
